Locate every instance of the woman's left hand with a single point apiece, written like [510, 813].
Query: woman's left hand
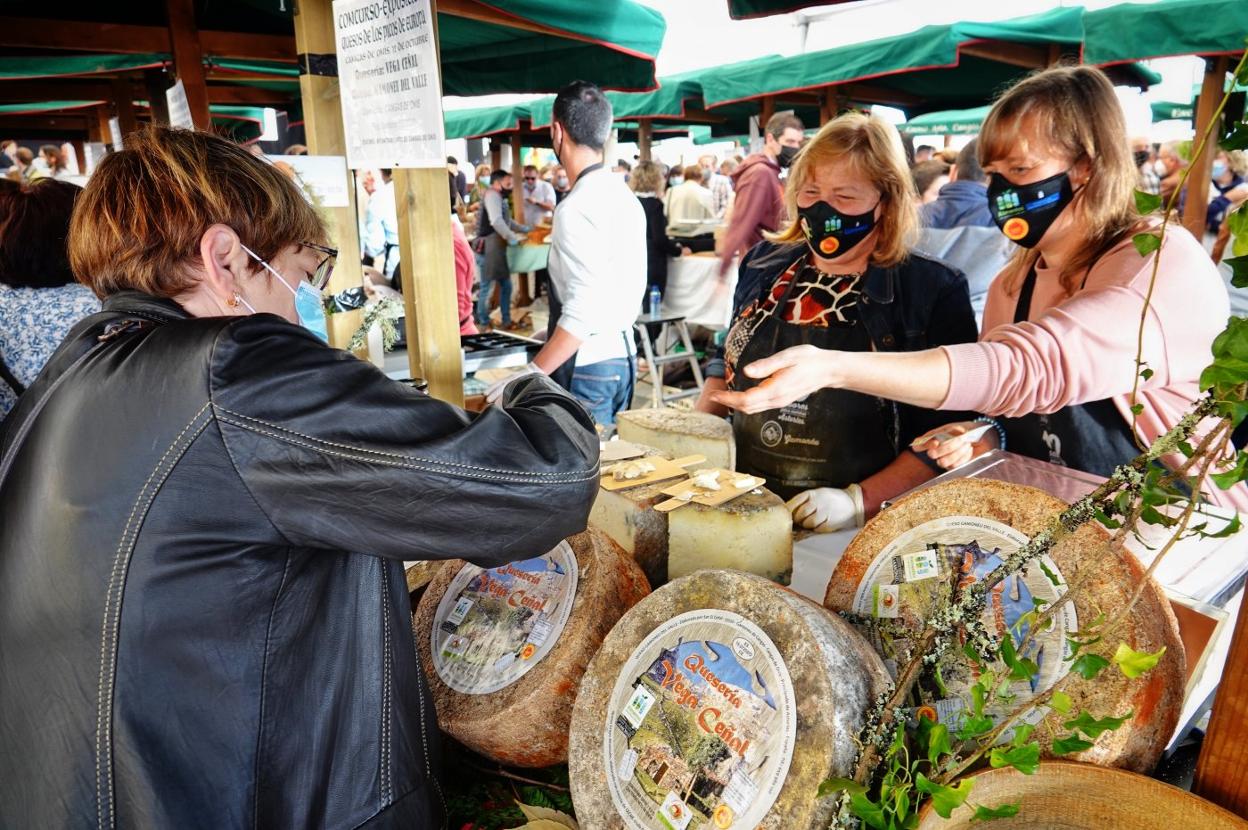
[789, 375]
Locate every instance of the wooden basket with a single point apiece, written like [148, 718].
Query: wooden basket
[1063, 795]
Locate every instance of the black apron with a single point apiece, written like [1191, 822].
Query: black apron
[562, 375]
[833, 437]
[1092, 436]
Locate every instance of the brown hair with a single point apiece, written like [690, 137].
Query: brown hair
[647, 177]
[781, 121]
[874, 148]
[55, 158]
[139, 222]
[34, 224]
[1072, 111]
[694, 173]
[926, 172]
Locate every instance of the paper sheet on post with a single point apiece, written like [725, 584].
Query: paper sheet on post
[391, 90]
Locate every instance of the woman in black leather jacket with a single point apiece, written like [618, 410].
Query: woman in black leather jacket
[203, 514]
[840, 275]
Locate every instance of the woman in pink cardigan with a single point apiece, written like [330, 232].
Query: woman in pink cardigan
[1055, 362]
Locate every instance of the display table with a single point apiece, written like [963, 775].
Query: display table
[696, 292]
[527, 257]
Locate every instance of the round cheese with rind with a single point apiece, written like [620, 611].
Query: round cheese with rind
[504, 648]
[752, 533]
[721, 700]
[907, 552]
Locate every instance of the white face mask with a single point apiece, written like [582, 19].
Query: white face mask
[1160, 168]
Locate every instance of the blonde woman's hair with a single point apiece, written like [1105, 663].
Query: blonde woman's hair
[1071, 111]
[647, 177]
[873, 147]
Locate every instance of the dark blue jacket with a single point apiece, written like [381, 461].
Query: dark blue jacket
[918, 304]
[959, 204]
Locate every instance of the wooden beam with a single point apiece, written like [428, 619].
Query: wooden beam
[20, 92]
[157, 81]
[645, 131]
[188, 59]
[1011, 54]
[496, 154]
[767, 108]
[322, 123]
[1224, 755]
[875, 94]
[1200, 168]
[123, 100]
[28, 124]
[99, 130]
[221, 94]
[117, 38]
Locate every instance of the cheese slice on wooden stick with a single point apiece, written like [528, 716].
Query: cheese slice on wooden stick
[900, 557]
[721, 700]
[679, 434]
[504, 648]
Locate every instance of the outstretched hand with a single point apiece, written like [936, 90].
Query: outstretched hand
[788, 376]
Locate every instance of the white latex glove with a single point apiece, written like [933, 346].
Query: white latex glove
[825, 509]
[495, 393]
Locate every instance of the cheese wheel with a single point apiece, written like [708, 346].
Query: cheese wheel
[629, 518]
[680, 434]
[752, 533]
[910, 549]
[504, 648]
[721, 700]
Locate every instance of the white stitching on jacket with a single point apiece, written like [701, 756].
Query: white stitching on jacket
[103, 736]
[424, 732]
[558, 478]
[408, 458]
[387, 789]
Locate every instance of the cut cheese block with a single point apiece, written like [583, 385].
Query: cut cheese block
[681, 433]
[753, 533]
[904, 555]
[721, 700]
[504, 648]
[420, 573]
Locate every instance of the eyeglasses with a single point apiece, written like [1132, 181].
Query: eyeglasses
[320, 277]
[530, 179]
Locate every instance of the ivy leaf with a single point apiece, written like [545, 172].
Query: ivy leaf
[1093, 727]
[1146, 243]
[973, 727]
[1147, 202]
[1146, 373]
[1186, 448]
[1048, 572]
[1239, 271]
[1060, 702]
[1070, 744]
[1134, 663]
[835, 785]
[983, 813]
[1229, 478]
[1022, 734]
[1024, 758]
[945, 799]
[1231, 529]
[1088, 666]
[1237, 139]
[938, 743]
[1105, 520]
[1020, 667]
[868, 811]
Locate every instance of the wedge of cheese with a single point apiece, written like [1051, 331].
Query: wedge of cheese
[722, 700]
[504, 648]
[752, 533]
[679, 434]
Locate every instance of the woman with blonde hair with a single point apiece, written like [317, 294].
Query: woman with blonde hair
[840, 277]
[1055, 365]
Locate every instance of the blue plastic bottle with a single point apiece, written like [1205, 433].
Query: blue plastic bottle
[655, 300]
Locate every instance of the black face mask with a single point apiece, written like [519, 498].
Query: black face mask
[506, 191]
[1024, 212]
[1141, 157]
[830, 233]
[787, 154]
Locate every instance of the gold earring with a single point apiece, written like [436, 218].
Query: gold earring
[233, 302]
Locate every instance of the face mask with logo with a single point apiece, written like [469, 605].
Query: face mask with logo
[308, 303]
[1024, 212]
[787, 154]
[830, 233]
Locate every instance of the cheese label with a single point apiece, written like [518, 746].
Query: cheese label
[493, 626]
[702, 718]
[908, 577]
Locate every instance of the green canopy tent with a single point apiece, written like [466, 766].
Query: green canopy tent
[746, 9]
[1172, 111]
[947, 122]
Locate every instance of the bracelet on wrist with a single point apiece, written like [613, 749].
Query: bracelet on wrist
[1000, 430]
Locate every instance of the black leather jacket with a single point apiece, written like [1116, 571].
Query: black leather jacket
[203, 614]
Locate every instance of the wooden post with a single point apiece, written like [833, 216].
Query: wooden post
[427, 257]
[1201, 167]
[645, 133]
[103, 115]
[1224, 756]
[156, 82]
[322, 114]
[768, 109]
[948, 139]
[123, 99]
[517, 176]
[188, 58]
[827, 105]
[496, 154]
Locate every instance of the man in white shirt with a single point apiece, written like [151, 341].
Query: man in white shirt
[597, 264]
[539, 197]
[718, 184]
[381, 227]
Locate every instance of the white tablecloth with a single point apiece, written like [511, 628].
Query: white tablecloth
[695, 291]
